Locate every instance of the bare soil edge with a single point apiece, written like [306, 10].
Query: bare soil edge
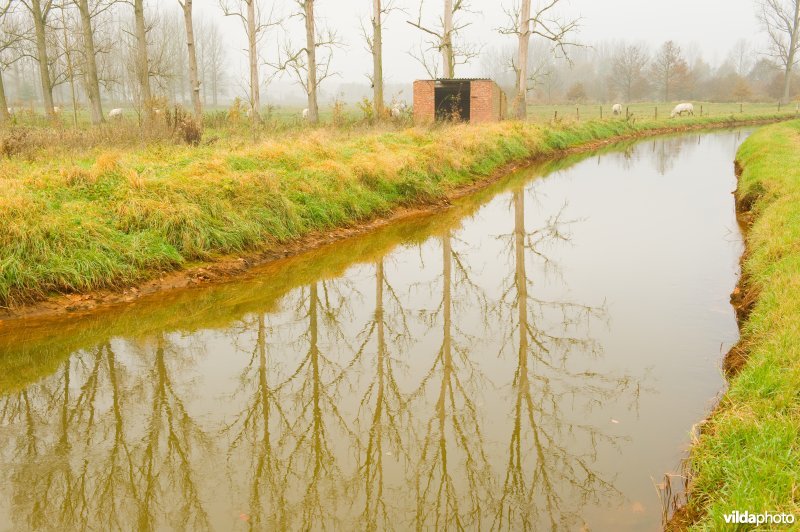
[743, 299]
[224, 268]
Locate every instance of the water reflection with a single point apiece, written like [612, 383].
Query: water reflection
[433, 375]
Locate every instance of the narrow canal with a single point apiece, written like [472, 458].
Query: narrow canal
[532, 358]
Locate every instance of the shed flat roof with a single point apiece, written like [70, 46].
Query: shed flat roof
[457, 79]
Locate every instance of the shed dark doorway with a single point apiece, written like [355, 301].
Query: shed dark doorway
[452, 100]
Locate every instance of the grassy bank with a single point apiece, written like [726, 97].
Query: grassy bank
[748, 457]
[79, 220]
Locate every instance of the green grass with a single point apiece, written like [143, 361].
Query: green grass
[648, 110]
[749, 455]
[75, 220]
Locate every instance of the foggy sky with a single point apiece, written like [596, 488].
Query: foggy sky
[709, 27]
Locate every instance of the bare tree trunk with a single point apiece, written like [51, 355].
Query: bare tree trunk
[522, 60]
[194, 80]
[311, 51]
[447, 41]
[71, 75]
[792, 51]
[521, 278]
[142, 62]
[41, 55]
[377, 57]
[92, 80]
[214, 90]
[255, 93]
[5, 116]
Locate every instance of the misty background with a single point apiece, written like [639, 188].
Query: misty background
[720, 42]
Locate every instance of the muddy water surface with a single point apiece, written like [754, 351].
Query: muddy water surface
[533, 358]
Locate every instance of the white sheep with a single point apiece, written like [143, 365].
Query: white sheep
[398, 108]
[56, 110]
[616, 109]
[305, 114]
[115, 114]
[682, 108]
[11, 111]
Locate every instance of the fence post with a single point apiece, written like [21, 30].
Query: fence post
[741, 107]
[627, 113]
[555, 115]
[701, 110]
[656, 112]
[601, 112]
[779, 106]
[578, 113]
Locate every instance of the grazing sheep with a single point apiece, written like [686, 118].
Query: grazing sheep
[682, 108]
[115, 114]
[398, 109]
[305, 114]
[56, 110]
[11, 110]
[616, 109]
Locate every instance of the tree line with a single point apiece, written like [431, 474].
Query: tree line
[144, 53]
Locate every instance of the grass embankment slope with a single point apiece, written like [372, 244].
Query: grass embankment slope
[748, 457]
[84, 220]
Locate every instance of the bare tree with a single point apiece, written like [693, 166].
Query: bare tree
[67, 50]
[374, 40]
[781, 20]
[742, 57]
[250, 14]
[525, 24]
[92, 80]
[142, 61]
[310, 65]
[377, 56]
[443, 39]
[10, 36]
[311, 57]
[40, 12]
[212, 60]
[628, 69]
[669, 69]
[194, 79]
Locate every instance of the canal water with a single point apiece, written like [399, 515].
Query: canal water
[533, 357]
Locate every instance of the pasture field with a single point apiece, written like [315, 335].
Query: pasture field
[748, 456]
[654, 110]
[350, 115]
[112, 206]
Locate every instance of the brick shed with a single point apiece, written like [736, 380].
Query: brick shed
[471, 100]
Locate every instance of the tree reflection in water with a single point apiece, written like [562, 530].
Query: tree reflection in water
[548, 477]
[327, 422]
[253, 431]
[382, 404]
[86, 468]
[452, 480]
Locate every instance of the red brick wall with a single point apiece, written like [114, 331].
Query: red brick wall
[424, 101]
[486, 102]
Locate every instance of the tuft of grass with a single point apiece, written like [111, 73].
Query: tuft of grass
[97, 218]
[749, 456]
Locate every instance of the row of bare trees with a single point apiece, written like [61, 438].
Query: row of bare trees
[118, 47]
[78, 42]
